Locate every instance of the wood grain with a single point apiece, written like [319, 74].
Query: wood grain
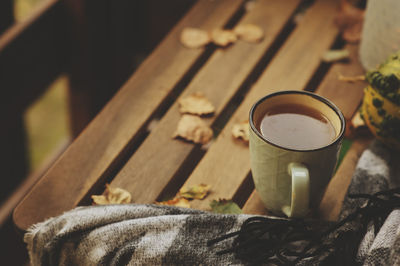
[254, 205]
[219, 79]
[347, 96]
[103, 143]
[226, 164]
[332, 201]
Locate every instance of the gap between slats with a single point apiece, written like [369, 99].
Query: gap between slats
[178, 174]
[273, 79]
[197, 154]
[159, 112]
[98, 150]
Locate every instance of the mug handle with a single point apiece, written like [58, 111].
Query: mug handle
[300, 191]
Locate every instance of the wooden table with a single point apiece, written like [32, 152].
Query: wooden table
[129, 144]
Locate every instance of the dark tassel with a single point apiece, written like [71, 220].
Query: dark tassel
[289, 241]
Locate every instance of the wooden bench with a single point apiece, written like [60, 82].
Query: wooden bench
[94, 43]
[129, 142]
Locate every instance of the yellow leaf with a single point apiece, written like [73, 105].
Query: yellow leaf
[193, 128]
[112, 196]
[222, 37]
[249, 32]
[241, 131]
[194, 192]
[194, 38]
[196, 104]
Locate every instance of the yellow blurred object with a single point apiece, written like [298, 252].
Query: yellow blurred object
[380, 115]
[381, 105]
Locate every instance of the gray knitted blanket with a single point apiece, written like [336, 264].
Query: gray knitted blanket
[156, 235]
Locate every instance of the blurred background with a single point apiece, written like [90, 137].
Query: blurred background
[60, 62]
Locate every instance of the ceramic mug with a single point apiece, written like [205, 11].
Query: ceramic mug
[290, 181]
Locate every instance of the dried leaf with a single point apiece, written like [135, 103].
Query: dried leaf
[112, 196]
[194, 192]
[178, 202]
[249, 32]
[335, 55]
[350, 20]
[241, 131]
[193, 128]
[222, 37]
[225, 206]
[356, 127]
[351, 79]
[196, 104]
[194, 38]
[357, 121]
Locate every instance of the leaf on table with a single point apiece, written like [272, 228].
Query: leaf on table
[351, 78]
[194, 38]
[178, 202]
[249, 32]
[356, 127]
[225, 206]
[241, 131]
[222, 37]
[196, 104]
[194, 192]
[335, 55]
[357, 121]
[193, 128]
[112, 196]
[350, 20]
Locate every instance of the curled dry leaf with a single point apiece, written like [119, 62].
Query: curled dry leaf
[196, 104]
[249, 32]
[194, 38]
[351, 79]
[112, 196]
[241, 131]
[356, 127]
[357, 121]
[335, 55]
[193, 128]
[194, 192]
[225, 207]
[178, 202]
[222, 37]
[350, 20]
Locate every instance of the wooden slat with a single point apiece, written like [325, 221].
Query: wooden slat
[347, 97]
[219, 79]
[100, 147]
[227, 163]
[106, 38]
[17, 195]
[332, 201]
[254, 205]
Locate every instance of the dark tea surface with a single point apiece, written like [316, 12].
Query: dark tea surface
[297, 127]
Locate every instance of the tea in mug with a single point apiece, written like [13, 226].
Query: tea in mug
[297, 127]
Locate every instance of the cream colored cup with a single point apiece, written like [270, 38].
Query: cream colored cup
[289, 181]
